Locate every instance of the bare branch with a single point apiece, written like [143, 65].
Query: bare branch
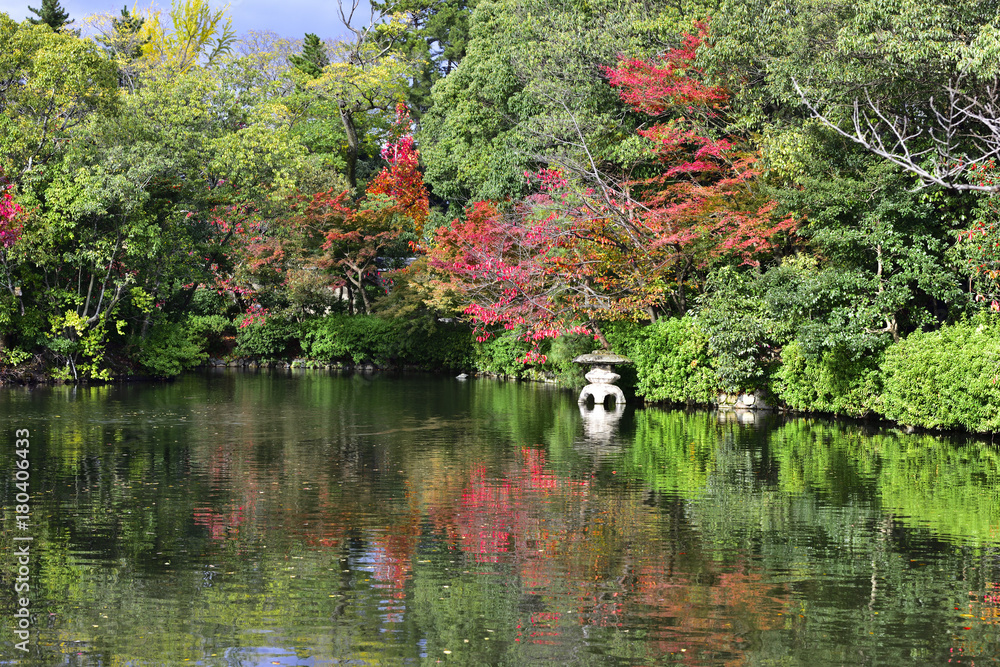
[933, 143]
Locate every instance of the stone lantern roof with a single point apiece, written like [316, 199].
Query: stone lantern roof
[602, 358]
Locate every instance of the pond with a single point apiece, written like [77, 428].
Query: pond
[311, 519]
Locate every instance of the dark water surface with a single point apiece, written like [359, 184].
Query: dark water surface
[238, 519]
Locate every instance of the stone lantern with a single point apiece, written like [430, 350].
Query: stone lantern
[601, 378]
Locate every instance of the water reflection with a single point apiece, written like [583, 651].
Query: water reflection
[263, 519]
[600, 424]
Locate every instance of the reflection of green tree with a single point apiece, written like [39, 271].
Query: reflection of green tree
[674, 452]
[922, 481]
[821, 457]
[950, 489]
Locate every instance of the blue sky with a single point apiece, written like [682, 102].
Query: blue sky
[288, 18]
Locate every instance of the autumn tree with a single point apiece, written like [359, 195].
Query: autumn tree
[703, 203]
[358, 235]
[190, 33]
[588, 247]
[11, 303]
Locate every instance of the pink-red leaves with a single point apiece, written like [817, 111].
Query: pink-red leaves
[671, 83]
[10, 225]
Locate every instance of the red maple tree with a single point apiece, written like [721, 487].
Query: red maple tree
[582, 250]
[395, 203]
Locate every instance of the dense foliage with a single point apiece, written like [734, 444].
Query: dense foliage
[946, 378]
[740, 196]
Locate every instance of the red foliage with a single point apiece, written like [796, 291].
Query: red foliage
[10, 226]
[401, 182]
[982, 241]
[624, 249]
[395, 202]
[505, 266]
[328, 242]
[672, 83]
[702, 203]
[244, 256]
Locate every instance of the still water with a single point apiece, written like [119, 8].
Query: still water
[309, 519]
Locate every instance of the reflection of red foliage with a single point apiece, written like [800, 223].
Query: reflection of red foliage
[393, 559]
[499, 516]
[487, 517]
[219, 524]
[539, 478]
[738, 592]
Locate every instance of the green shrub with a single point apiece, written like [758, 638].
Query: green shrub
[169, 348]
[208, 302]
[210, 329]
[354, 339]
[436, 345]
[672, 361]
[562, 352]
[274, 338]
[835, 382]
[743, 331]
[500, 354]
[946, 378]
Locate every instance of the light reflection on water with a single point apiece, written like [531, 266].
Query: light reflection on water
[266, 519]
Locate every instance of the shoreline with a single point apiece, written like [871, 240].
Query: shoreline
[727, 413]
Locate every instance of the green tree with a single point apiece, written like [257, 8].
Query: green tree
[437, 40]
[365, 75]
[51, 14]
[531, 91]
[313, 58]
[121, 37]
[914, 81]
[874, 260]
[51, 82]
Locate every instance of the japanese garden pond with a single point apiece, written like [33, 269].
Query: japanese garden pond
[312, 519]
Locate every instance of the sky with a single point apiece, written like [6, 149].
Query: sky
[288, 18]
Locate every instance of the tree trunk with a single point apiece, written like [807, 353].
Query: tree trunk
[364, 293]
[353, 146]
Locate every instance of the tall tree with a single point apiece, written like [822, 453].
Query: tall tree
[121, 37]
[192, 33]
[437, 40]
[875, 260]
[366, 74]
[313, 58]
[51, 14]
[52, 81]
